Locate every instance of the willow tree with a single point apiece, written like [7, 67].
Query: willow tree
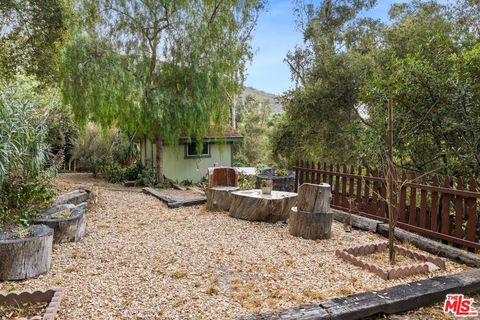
[164, 69]
[32, 33]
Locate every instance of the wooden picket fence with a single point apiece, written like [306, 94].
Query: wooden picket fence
[438, 207]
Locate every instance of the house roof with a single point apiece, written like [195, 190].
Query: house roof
[225, 136]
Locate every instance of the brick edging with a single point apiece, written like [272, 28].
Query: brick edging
[425, 263]
[37, 296]
[428, 245]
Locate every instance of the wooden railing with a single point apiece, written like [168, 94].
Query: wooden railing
[438, 207]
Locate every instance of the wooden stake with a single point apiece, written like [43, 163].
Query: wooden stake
[389, 180]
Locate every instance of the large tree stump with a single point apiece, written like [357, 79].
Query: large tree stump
[312, 219]
[254, 206]
[219, 198]
[24, 258]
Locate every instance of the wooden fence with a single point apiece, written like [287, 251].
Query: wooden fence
[437, 207]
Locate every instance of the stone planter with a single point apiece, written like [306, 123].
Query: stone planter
[52, 297]
[267, 190]
[279, 183]
[66, 229]
[23, 258]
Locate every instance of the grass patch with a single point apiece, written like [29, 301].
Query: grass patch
[179, 275]
[212, 291]
[70, 270]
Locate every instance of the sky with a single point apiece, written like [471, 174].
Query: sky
[275, 35]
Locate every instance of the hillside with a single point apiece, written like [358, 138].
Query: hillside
[272, 98]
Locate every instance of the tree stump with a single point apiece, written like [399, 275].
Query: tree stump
[67, 229]
[219, 198]
[24, 258]
[74, 197]
[312, 219]
[254, 206]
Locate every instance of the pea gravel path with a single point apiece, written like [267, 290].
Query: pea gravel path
[141, 260]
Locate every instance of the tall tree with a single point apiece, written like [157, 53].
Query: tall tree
[328, 70]
[163, 68]
[32, 33]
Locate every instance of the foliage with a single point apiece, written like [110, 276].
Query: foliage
[148, 177]
[110, 150]
[33, 32]
[142, 63]
[115, 173]
[281, 172]
[25, 169]
[246, 182]
[425, 59]
[254, 122]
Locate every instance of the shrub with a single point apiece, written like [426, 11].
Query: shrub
[25, 169]
[105, 151]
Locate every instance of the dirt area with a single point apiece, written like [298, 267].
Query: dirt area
[27, 310]
[141, 260]
[381, 259]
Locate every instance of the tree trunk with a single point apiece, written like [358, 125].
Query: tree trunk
[159, 157]
[233, 113]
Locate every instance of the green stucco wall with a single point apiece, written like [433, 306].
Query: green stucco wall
[177, 168]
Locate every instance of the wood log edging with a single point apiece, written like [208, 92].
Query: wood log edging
[397, 299]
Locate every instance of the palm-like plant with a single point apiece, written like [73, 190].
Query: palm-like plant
[23, 153]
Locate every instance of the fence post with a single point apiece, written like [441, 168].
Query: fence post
[423, 205]
[459, 210]
[446, 208]
[413, 203]
[435, 203]
[472, 213]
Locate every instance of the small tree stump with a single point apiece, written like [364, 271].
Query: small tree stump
[74, 197]
[313, 218]
[219, 198]
[310, 225]
[254, 206]
[68, 229]
[24, 258]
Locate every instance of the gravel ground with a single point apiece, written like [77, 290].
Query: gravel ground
[141, 260]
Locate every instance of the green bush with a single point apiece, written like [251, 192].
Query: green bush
[106, 151]
[25, 168]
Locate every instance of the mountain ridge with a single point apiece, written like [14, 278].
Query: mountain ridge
[275, 105]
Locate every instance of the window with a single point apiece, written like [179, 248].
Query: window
[191, 150]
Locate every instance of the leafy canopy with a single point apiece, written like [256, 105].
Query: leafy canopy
[160, 68]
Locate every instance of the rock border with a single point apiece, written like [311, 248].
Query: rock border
[53, 296]
[397, 299]
[428, 264]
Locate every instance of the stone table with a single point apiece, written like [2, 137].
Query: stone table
[254, 206]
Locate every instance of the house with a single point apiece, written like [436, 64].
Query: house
[183, 161]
